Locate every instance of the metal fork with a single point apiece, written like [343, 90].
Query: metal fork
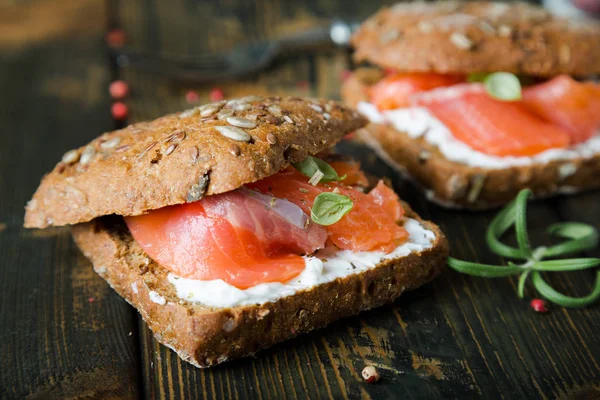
[242, 60]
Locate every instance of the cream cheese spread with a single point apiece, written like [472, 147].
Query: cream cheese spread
[419, 122]
[329, 265]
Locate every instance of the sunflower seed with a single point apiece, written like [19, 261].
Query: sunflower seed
[135, 130]
[176, 136]
[208, 109]
[70, 157]
[424, 155]
[309, 120]
[271, 139]
[194, 153]
[109, 144]
[326, 116]
[461, 41]
[275, 111]
[224, 114]
[234, 133]
[87, 155]
[171, 148]
[316, 107]
[250, 99]
[389, 36]
[487, 27]
[189, 113]
[425, 27]
[328, 107]
[238, 105]
[241, 122]
[234, 149]
[197, 190]
[504, 31]
[122, 148]
[242, 107]
[146, 150]
[288, 119]
[477, 182]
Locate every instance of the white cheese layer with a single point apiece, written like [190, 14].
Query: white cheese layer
[419, 122]
[330, 265]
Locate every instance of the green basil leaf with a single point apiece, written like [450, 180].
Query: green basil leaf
[584, 237]
[310, 165]
[554, 296]
[503, 86]
[329, 208]
[483, 270]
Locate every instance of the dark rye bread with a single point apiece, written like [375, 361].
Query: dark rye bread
[453, 184]
[181, 157]
[206, 336]
[467, 37]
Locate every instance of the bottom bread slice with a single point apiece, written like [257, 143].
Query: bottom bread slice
[456, 185]
[206, 336]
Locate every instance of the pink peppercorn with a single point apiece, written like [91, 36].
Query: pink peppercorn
[539, 305]
[216, 95]
[303, 85]
[115, 38]
[118, 89]
[191, 97]
[370, 374]
[119, 111]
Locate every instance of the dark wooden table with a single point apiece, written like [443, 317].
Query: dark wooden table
[65, 334]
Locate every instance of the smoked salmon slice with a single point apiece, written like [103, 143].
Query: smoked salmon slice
[241, 237]
[491, 126]
[388, 200]
[572, 105]
[394, 91]
[350, 171]
[367, 227]
[258, 233]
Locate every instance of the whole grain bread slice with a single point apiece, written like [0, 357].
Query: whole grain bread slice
[478, 36]
[206, 336]
[457, 185]
[179, 158]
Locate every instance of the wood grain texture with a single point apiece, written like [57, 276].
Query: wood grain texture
[458, 337]
[63, 333]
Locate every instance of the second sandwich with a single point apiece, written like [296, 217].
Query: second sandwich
[478, 100]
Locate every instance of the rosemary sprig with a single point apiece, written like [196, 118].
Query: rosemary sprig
[579, 237]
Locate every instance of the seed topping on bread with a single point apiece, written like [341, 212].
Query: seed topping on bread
[210, 149]
[514, 37]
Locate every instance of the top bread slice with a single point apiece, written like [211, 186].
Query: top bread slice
[179, 158]
[468, 37]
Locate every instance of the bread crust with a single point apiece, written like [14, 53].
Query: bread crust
[467, 37]
[206, 336]
[181, 157]
[457, 185]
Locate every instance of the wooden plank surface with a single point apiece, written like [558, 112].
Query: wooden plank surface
[65, 333]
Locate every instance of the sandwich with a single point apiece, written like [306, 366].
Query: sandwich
[475, 101]
[231, 226]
